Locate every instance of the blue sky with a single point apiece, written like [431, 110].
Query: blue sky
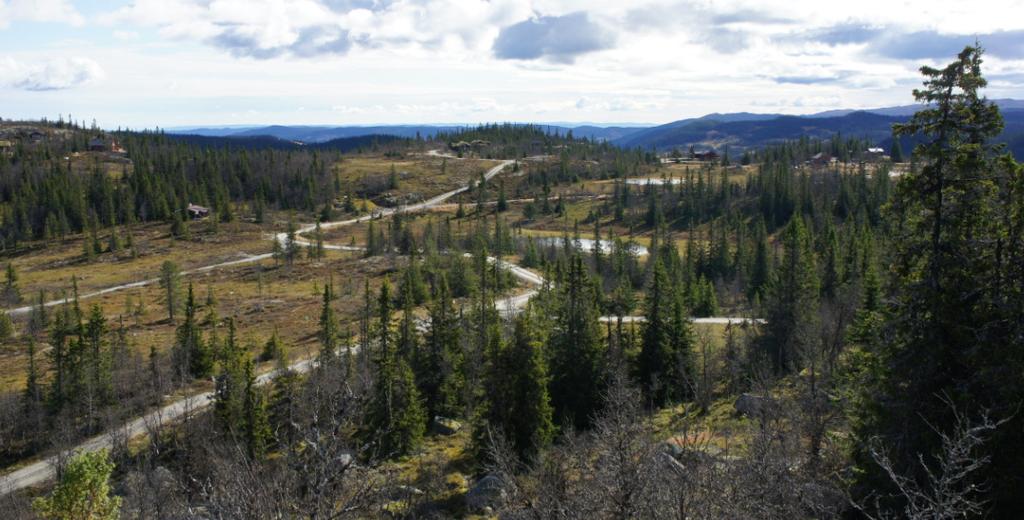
[148, 63]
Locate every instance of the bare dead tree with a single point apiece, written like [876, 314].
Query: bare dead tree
[950, 488]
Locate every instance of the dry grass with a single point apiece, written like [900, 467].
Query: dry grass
[419, 176]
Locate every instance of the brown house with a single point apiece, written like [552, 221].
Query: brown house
[707, 156]
[102, 143]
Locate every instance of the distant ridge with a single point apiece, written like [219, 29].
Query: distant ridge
[739, 130]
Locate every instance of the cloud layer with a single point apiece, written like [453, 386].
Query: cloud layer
[557, 38]
[55, 74]
[374, 61]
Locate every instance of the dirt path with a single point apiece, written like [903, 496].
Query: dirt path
[41, 471]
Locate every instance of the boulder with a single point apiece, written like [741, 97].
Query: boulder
[488, 492]
[753, 405]
[445, 426]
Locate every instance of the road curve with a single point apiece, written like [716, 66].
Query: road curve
[41, 471]
[38, 472]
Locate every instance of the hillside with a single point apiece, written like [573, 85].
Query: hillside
[757, 132]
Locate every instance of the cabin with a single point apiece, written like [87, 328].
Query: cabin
[707, 156]
[821, 159]
[6, 147]
[874, 154]
[102, 143]
[196, 212]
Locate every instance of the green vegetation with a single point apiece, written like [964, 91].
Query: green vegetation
[83, 492]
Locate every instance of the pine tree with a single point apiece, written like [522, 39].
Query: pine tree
[61, 359]
[230, 396]
[760, 272]
[96, 355]
[665, 360]
[951, 337]
[38, 319]
[328, 332]
[257, 418]
[577, 375]
[517, 404]
[33, 390]
[831, 276]
[897, 150]
[291, 246]
[791, 298]
[11, 293]
[502, 205]
[531, 428]
[6, 326]
[278, 250]
[274, 350]
[192, 356]
[439, 363]
[396, 419]
[407, 336]
[83, 492]
[170, 282]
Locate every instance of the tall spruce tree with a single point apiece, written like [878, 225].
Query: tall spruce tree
[665, 362]
[439, 362]
[577, 371]
[328, 333]
[791, 298]
[517, 404]
[951, 341]
[396, 419]
[192, 356]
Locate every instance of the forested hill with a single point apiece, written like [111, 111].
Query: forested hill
[757, 132]
[256, 142]
[158, 175]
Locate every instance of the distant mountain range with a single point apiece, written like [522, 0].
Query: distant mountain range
[739, 131]
[745, 130]
[321, 134]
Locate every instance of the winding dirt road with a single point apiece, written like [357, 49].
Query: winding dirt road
[43, 470]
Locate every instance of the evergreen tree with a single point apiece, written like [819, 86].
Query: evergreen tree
[6, 326]
[897, 150]
[328, 332]
[577, 374]
[760, 272]
[951, 338]
[396, 419]
[502, 205]
[33, 389]
[665, 361]
[274, 350]
[11, 293]
[170, 282]
[408, 338]
[791, 298]
[96, 355]
[517, 401]
[257, 418]
[439, 362]
[38, 318]
[291, 245]
[192, 356]
[83, 492]
[232, 382]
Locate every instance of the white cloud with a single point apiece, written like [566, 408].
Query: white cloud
[308, 28]
[53, 74]
[39, 11]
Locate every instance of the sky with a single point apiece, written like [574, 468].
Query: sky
[172, 63]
